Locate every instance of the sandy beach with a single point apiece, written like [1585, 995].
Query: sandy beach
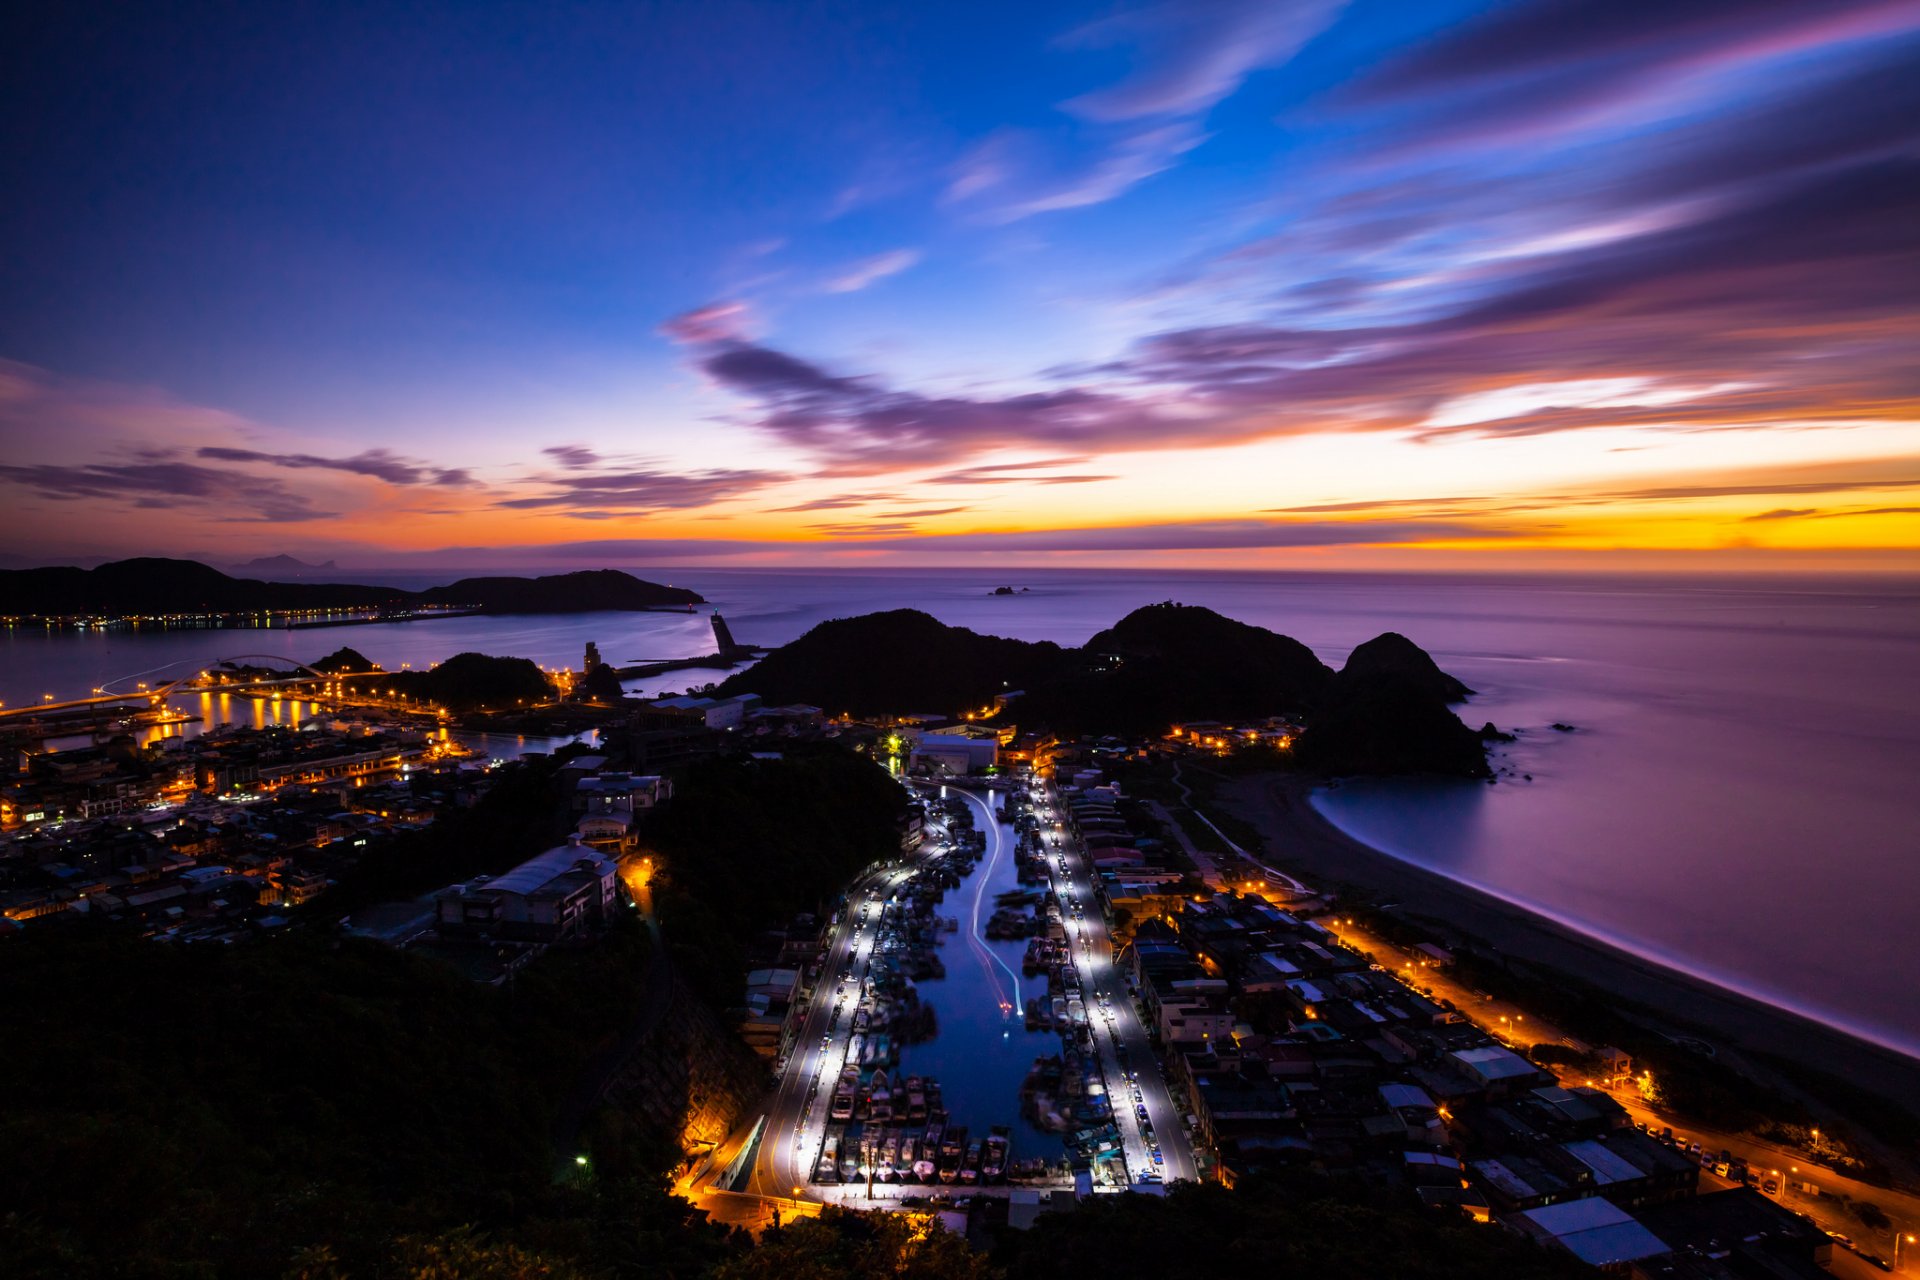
[1299, 837]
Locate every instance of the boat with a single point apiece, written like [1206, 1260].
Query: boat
[888, 1154]
[953, 1150]
[843, 1094]
[970, 1167]
[828, 1169]
[916, 1100]
[880, 1100]
[993, 1165]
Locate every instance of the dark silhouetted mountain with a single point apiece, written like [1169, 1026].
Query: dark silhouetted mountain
[344, 659]
[1157, 667]
[899, 662]
[1388, 714]
[1166, 663]
[150, 586]
[590, 590]
[1391, 653]
[471, 680]
[283, 565]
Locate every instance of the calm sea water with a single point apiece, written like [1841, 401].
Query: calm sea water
[1739, 800]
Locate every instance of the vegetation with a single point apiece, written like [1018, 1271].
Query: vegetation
[1164, 664]
[214, 1111]
[1390, 724]
[343, 659]
[153, 586]
[900, 661]
[523, 814]
[589, 590]
[470, 680]
[842, 1243]
[602, 684]
[1292, 1228]
[748, 843]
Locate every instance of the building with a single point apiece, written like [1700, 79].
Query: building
[710, 713]
[566, 891]
[1596, 1231]
[1497, 1070]
[955, 753]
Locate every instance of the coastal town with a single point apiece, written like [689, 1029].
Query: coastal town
[1200, 1014]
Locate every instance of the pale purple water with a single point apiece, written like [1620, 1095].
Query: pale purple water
[1742, 798]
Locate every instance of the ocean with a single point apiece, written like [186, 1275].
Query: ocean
[1737, 798]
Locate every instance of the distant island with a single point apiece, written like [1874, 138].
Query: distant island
[282, 565]
[1386, 712]
[152, 587]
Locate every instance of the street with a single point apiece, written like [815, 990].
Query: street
[1119, 1036]
[1511, 1026]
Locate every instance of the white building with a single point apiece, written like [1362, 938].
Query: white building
[563, 892]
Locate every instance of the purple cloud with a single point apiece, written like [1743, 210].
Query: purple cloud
[380, 464]
[167, 486]
[594, 495]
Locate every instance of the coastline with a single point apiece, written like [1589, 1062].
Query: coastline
[1298, 835]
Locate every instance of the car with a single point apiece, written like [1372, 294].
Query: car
[1157, 1159]
[1771, 1186]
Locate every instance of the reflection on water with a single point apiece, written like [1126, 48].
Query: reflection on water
[1738, 797]
[982, 1053]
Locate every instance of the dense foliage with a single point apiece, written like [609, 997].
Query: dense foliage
[152, 586]
[1388, 725]
[898, 662]
[345, 658]
[470, 680]
[1167, 663]
[586, 591]
[212, 1110]
[1279, 1231]
[746, 843]
[1386, 711]
[522, 815]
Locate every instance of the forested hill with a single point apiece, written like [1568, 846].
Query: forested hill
[150, 586]
[1386, 711]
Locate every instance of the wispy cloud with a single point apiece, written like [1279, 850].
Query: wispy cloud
[872, 270]
[1191, 54]
[592, 495]
[379, 464]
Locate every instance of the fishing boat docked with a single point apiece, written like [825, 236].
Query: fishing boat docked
[993, 1164]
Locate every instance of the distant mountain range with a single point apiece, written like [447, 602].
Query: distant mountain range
[1385, 712]
[150, 586]
[283, 566]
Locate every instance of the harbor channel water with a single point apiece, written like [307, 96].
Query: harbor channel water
[982, 1052]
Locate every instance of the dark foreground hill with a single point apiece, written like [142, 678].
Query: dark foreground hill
[151, 586]
[1386, 711]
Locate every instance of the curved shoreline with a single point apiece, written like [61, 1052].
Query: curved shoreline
[1296, 832]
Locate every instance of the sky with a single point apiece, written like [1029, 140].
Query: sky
[1304, 283]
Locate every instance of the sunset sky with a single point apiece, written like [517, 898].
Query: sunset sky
[1293, 284]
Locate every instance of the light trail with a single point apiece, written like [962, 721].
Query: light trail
[987, 957]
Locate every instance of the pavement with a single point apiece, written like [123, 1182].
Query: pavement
[1116, 1022]
[797, 1112]
[1512, 1026]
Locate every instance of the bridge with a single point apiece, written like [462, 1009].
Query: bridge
[145, 698]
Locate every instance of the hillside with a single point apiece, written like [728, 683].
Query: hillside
[590, 590]
[1168, 662]
[897, 662]
[1386, 711]
[471, 680]
[151, 586]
